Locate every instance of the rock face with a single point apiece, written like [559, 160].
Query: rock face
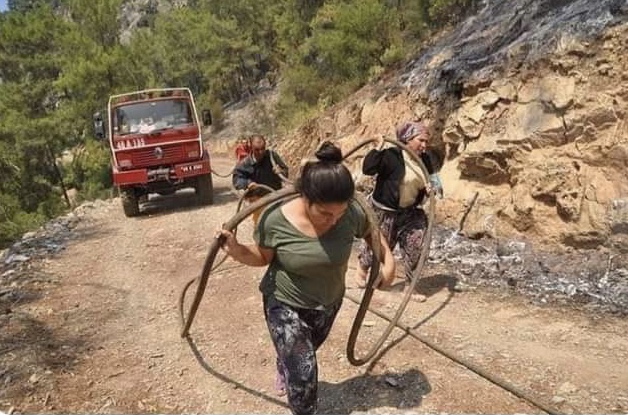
[527, 104]
[137, 13]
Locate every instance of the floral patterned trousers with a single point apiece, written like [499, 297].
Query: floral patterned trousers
[297, 333]
[404, 227]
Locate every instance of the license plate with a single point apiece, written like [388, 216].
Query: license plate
[191, 168]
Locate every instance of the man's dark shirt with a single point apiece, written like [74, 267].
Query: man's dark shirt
[261, 171]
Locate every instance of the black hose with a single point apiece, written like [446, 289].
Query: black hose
[462, 361]
[213, 251]
[231, 225]
[273, 197]
[277, 169]
[370, 288]
[273, 162]
[224, 176]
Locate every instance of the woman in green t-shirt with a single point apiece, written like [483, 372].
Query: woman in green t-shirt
[306, 243]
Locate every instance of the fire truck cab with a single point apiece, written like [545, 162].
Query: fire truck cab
[156, 143]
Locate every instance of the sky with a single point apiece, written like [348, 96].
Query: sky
[3, 5]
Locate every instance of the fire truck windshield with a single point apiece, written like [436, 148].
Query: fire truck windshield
[145, 117]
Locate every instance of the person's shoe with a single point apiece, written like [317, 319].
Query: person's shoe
[415, 296]
[280, 384]
[419, 298]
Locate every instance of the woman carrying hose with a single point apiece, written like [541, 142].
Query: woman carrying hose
[400, 189]
[306, 243]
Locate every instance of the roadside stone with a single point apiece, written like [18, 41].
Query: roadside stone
[567, 388]
[7, 273]
[16, 258]
[391, 381]
[29, 235]
[558, 400]
[618, 216]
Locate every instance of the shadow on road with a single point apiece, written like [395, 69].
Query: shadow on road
[364, 393]
[427, 286]
[205, 365]
[183, 200]
[30, 343]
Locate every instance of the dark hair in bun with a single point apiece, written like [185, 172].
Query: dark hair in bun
[329, 153]
[326, 180]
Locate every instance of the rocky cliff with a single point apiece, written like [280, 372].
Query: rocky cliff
[526, 102]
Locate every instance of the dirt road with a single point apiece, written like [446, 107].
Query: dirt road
[98, 332]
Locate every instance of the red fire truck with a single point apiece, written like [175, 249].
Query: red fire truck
[156, 145]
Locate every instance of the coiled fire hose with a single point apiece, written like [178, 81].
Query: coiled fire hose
[289, 192]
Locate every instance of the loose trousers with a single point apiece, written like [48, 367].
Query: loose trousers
[404, 227]
[297, 333]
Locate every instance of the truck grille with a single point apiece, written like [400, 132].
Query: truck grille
[146, 157]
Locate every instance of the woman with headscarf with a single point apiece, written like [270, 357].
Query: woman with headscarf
[399, 193]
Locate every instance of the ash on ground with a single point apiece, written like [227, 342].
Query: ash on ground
[21, 265]
[591, 278]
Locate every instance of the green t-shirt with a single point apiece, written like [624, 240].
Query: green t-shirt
[308, 272]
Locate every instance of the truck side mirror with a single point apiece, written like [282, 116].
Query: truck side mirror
[207, 117]
[99, 126]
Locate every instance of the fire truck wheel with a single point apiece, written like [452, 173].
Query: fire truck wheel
[205, 189]
[130, 203]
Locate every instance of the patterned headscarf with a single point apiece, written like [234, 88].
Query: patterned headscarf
[410, 129]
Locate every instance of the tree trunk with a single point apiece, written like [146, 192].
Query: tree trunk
[58, 174]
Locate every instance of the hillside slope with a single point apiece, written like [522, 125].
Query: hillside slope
[527, 105]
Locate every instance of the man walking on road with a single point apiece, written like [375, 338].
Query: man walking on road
[263, 167]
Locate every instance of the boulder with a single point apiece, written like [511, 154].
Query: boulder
[618, 216]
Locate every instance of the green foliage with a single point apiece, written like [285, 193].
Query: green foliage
[289, 26]
[197, 50]
[97, 20]
[303, 85]
[342, 54]
[14, 222]
[89, 170]
[414, 16]
[343, 44]
[61, 59]
[29, 129]
[23, 6]
[95, 64]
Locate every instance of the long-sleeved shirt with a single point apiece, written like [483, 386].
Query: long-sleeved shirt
[389, 166]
